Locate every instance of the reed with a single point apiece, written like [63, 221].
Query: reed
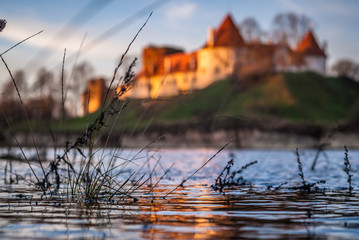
[348, 169]
[227, 178]
[203, 165]
[93, 179]
[308, 187]
[300, 168]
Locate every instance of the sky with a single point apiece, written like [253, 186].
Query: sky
[99, 31]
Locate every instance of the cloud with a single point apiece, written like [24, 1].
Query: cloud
[46, 50]
[345, 8]
[181, 11]
[292, 6]
[50, 40]
[18, 30]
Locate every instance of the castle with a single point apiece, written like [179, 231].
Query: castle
[169, 72]
[94, 95]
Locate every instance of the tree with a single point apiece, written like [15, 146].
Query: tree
[346, 68]
[250, 29]
[81, 74]
[290, 28]
[10, 104]
[44, 83]
[9, 88]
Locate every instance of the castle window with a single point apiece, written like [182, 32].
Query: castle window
[217, 70]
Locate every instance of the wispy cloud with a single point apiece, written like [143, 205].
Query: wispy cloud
[292, 6]
[17, 31]
[341, 8]
[45, 50]
[182, 11]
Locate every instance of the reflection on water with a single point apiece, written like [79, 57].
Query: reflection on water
[195, 211]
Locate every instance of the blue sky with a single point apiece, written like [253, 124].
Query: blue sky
[181, 23]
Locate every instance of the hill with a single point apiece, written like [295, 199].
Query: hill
[276, 101]
[300, 98]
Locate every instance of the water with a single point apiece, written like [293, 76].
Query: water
[195, 211]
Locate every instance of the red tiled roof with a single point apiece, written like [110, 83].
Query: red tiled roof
[153, 59]
[182, 62]
[309, 45]
[228, 34]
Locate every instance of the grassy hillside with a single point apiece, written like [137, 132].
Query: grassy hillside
[295, 97]
[321, 99]
[291, 97]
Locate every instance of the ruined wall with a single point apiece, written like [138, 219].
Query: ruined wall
[94, 95]
[153, 59]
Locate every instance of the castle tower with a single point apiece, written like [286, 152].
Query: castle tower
[219, 57]
[94, 95]
[314, 56]
[227, 34]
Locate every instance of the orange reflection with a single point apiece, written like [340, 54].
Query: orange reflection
[182, 216]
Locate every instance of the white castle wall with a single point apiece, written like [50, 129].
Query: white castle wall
[140, 88]
[315, 63]
[215, 64]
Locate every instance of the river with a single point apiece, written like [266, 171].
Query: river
[267, 205]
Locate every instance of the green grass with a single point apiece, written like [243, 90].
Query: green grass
[321, 100]
[293, 97]
[296, 97]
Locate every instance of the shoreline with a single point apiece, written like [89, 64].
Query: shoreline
[189, 138]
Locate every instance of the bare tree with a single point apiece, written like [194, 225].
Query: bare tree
[290, 28]
[10, 104]
[346, 68]
[81, 74]
[250, 29]
[42, 104]
[9, 89]
[44, 83]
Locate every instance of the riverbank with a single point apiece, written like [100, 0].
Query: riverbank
[285, 111]
[191, 138]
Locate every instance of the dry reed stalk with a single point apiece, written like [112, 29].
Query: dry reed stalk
[348, 169]
[203, 165]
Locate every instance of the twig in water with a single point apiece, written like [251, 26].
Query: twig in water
[185, 180]
[301, 174]
[347, 169]
[229, 178]
[305, 186]
[21, 149]
[163, 175]
[44, 182]
[323, 142]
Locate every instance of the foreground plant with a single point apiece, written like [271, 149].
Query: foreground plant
[228, 179]
[305, 185]
[348, 169]
[2, 24]
[95, 179]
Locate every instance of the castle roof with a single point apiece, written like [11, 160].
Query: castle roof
[309, 45]
[182, 62]
[227, 34]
